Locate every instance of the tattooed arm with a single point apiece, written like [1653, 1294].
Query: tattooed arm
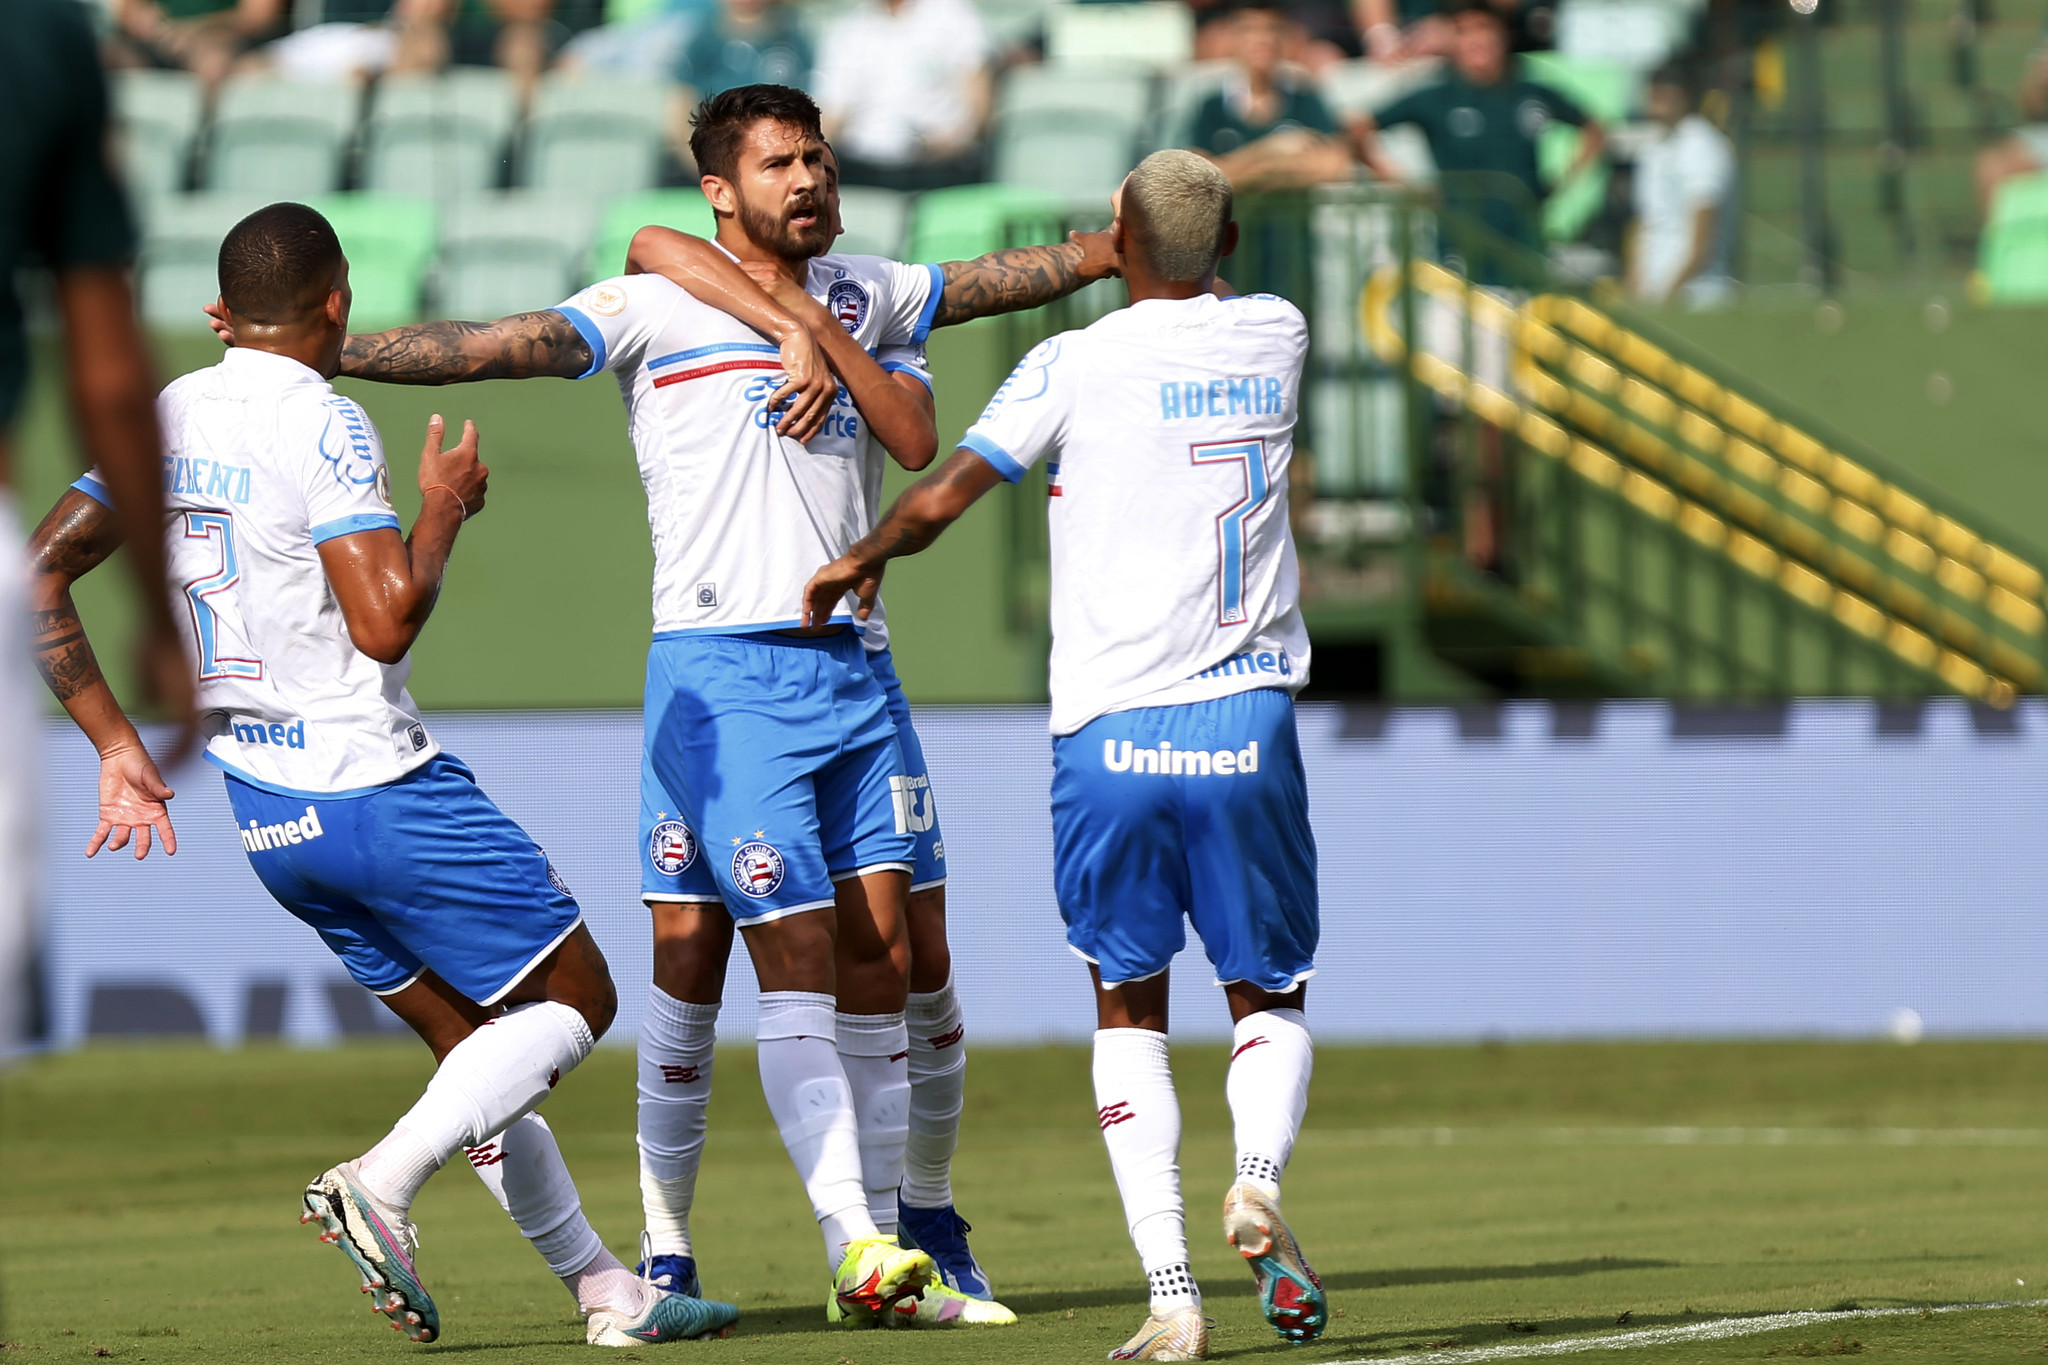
[523, 346]
[926, 508]
[1023, 277]
[73, 540]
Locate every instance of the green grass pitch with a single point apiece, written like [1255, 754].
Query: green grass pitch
[1452, 1197]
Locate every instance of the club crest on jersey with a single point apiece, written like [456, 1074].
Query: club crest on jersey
[847, 300]
[671, 847]
[606, 300]
[555, 880]
[757, 869]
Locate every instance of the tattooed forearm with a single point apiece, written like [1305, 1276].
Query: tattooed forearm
[63, 655]
[1006, 281]
[523, 346]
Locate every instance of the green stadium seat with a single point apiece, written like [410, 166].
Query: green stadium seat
[1079, 156]
[512, 251]
[389, 240]
[157, 114]
[1604, 89]
[1159, 34]
[1120, 92]
[874, 220]
[281, 138]
[970, 220]
[2014, 251]
[595, 137]
[181, 254]
[440, 136]
[683, 210]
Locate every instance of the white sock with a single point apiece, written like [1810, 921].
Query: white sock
[1140, 1118]
[522, 1168]
[938, 1088]
[485, 1082]
[875, 1050]
[812, 1105]
[1271, 1059]
[676, 1040]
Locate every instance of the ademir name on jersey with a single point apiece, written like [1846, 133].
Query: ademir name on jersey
[1258, 395]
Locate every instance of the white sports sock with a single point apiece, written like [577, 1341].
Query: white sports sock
[875, 1050]
[1140, 1118]
[938, 1089]
[484, 1083]
[676, 1041]
[1272, 1056]
[606, 1283]
[812, 1104]
[522, 1168]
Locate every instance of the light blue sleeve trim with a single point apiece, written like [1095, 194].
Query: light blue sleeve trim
[898, 367]
[348, 526]
[931, 305]
[588, 330]
[1004, 463]
[94, 489]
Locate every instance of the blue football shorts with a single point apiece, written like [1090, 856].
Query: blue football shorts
[1169, 814]
[917, 810]
[425, 873]
[777, 758]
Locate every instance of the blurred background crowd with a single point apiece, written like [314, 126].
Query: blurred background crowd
[490, 152]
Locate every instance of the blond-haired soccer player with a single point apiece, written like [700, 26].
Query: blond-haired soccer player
[1178, 790]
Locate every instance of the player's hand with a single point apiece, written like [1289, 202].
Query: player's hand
[132, 797]
[808, 391]
[1098, 256]
[828, 588]
[165, 672]
[458, 470]
[217, 319]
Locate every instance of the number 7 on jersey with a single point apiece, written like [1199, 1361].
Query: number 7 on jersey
[1251, 454]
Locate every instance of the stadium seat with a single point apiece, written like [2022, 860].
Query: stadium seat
[2013, 254]
[389, 239]
[157, 113]
[684, 210]
[280, 138]
[512, 252]
[1605, 89]
[181, 255]
[969, 220]
[874, 220]
[595, 137]
[440, 136]
[1160, 35]
[1079, 155]
[1119, 91]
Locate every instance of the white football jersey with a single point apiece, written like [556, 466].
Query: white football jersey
[263, 462]
[741, 516]
[1167, 428]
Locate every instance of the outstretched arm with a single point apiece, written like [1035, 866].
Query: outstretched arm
[73, 540]
[1022, 277]
[523, 346]
[926, 508]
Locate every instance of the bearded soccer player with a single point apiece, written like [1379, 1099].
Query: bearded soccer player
[305, 602]
[771, 188]
[1178, 792]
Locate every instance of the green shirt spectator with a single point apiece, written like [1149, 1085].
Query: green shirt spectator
[1225, 122]
[59, 205]
[748, 42]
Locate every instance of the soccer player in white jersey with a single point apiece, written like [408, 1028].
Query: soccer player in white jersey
[1178, 790]
[302, 604]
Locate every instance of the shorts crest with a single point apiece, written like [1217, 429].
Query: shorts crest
[671, 848]
[757, 869]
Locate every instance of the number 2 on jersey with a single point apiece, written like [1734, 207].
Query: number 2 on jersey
[219, 529]
[1230, 521]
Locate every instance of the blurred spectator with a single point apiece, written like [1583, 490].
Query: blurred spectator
[1483, 121]
[205, 37]
[1403, 30]
[409, 37]
[1268, 128]
[1314, 33]
[2025, 150]
[905, 89]
[638, 40]
[1684, 177]
[749, 42]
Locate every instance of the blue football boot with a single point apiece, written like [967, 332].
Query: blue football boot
[942, 1233]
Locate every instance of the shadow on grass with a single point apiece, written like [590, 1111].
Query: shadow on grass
[1339, 1344]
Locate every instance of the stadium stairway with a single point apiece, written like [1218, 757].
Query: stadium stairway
[1628, 520]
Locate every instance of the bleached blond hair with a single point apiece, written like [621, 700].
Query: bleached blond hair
[1175, 207]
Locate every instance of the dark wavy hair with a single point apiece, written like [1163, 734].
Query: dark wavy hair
[722, 121]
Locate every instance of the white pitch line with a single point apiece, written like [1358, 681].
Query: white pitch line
[1675, 1136]
[1720, 1329]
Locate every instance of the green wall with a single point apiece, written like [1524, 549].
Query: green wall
[546, 602]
